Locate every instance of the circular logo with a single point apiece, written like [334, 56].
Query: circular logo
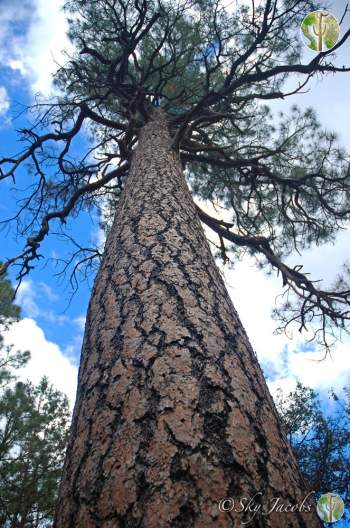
[330, 507]
[320, 30]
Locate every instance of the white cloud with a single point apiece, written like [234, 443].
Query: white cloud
[73, 349]
[311, 370]
[325, 262]
[30, 296]
[334, 371]
[17, 65]
[14, 16]
[33, 35]
[287, 385]
[48, 291]
[80, 322]
[4, 101]
[46, 38]
[46, 357]
[26, 298]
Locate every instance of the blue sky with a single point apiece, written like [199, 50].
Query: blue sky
[44, 296]
[32, 37]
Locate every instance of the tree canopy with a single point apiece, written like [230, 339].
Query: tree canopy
[212, 67]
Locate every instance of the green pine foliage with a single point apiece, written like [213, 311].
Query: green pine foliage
[8, 310]
[320, 441]
[10, 360]
[34, 422]
[33, 436]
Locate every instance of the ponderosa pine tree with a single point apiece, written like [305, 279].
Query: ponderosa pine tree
[172, 412]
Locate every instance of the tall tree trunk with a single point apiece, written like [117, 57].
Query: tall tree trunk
[172, 412]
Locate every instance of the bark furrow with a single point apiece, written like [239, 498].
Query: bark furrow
[172, 412]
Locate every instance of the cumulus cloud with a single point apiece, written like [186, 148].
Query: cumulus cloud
[80, 322]
[33, 35]
[313, 371]
[334, 371]
[47, 39]
[26, 298]
[58, 363]
[4, 101]
[4, 106]
[16, 16]
[47, 359]
[35, 300]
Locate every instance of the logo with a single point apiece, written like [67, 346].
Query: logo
[330, 507]
[320, 30]
[256, 506]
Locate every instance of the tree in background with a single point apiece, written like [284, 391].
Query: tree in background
[33, 435]
[33, 438]
[10, 361]
[8, 310]
[172, 411]
[320, 441]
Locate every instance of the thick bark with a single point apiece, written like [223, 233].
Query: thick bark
[172, 412]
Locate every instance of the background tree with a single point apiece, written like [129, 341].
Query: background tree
[152, 85]
[33, 434]
[320, 441]
[8, 310]
[33, 437]
[10, 360]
